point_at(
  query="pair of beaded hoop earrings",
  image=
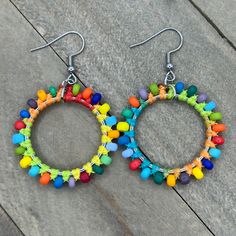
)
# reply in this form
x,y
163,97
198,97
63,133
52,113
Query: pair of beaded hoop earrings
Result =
x,y
118,133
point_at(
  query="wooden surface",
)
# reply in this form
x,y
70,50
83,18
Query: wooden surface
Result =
x,y
117,203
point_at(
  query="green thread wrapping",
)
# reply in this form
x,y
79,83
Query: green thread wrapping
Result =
x,y
54,173
65,175
44,168
36,161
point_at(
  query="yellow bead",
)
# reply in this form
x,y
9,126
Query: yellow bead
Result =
x,y
171,180
122,126
42,95
25,162
103,109
197,172
105,139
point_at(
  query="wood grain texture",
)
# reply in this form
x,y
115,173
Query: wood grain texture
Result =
x,y
221,14
117,203
7,227
169,134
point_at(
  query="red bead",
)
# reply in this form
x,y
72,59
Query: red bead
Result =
x,y
19,124
134,165
218,140
84,177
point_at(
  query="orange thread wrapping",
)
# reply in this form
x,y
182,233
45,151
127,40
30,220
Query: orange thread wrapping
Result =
x,y
205,154
151,98
176,172
188,168
210,133
197,163
209,143
162,92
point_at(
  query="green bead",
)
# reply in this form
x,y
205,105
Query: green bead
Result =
x,y
19,150
158,178
106,160
154,89
98,169
191,91
53,91
127,113
76,89
216,116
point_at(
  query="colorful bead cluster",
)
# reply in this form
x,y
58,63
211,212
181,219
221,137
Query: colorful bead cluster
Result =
x,y
37,167
190,96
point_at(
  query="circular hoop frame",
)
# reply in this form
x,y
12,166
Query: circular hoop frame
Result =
x,y
162,92
30,159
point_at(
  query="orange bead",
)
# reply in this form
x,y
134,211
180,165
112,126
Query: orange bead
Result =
x,y
218,127
45,178
134,102
113,134
87,93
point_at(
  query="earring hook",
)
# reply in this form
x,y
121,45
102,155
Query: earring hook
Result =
x,y
170,76
71,79
71,56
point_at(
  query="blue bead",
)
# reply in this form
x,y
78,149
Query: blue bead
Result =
x,y
123,140
207,164
110,121
33,171
18,138
24,114
111,147
145,173
58,182
96,98
179,87
214,152
210,106
127,153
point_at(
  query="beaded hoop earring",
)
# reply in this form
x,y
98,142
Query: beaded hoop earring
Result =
x,y
169,91
68,91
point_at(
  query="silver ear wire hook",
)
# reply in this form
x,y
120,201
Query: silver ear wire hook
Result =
x,y
71,79
170,75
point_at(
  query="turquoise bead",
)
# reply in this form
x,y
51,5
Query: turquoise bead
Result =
x,y
111,147
215,152
158,178
110,121
179,87
210,106
18,138
34,171
191,91
145,173
127,153
53,91
98,169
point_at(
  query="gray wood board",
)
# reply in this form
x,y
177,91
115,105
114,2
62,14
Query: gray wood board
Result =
x,y
109,28
117,203
221,14
7,227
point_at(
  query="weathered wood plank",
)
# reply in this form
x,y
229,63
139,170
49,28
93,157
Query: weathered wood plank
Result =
x,y
117,203
222,14
7,226
205,60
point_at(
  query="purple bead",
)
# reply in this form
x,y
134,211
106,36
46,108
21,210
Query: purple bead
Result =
x,y
71,182
143,93
201,97
184,178
32,103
